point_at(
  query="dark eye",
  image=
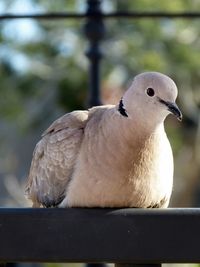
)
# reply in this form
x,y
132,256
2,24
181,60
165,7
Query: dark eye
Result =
x,y
150,92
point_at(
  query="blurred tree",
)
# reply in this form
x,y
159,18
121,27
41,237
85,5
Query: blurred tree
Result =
x,y
43,73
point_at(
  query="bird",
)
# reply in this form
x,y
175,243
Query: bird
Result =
x,y
111,156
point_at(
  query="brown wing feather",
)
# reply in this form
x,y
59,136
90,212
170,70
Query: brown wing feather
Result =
x,y
54,158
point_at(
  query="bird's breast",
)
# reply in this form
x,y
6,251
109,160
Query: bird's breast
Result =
x,y
112,173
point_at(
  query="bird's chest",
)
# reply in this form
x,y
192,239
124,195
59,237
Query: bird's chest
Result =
x,y
121,176
150,178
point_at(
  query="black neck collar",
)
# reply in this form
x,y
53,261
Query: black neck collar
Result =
x,y
121,108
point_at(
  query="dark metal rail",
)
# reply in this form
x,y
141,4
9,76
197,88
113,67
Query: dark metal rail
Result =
x,y
121,14
131,236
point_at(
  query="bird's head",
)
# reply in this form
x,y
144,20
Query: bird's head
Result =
x,y
151,96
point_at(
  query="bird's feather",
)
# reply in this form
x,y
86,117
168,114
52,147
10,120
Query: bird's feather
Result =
x,y
54,158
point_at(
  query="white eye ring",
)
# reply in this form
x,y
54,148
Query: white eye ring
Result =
x,y
150,92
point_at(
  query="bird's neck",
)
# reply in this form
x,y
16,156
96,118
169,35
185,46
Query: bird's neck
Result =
x,y
139,118
127,130
142,129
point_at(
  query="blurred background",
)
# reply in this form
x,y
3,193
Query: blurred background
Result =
x,y
44,73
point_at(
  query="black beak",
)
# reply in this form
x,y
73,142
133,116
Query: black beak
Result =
x,y
173,108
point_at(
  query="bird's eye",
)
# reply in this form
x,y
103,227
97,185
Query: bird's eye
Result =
x,y
150,92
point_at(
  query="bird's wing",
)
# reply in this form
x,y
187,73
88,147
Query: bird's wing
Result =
x,y
54,159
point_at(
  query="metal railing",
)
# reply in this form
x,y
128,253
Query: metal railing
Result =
x,y
122,236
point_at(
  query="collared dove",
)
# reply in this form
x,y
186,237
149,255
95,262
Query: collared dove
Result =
x,y
109,156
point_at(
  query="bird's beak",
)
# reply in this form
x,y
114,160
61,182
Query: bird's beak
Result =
x,y
173,108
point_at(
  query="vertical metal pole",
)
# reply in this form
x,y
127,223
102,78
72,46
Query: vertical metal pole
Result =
x,y
94,30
